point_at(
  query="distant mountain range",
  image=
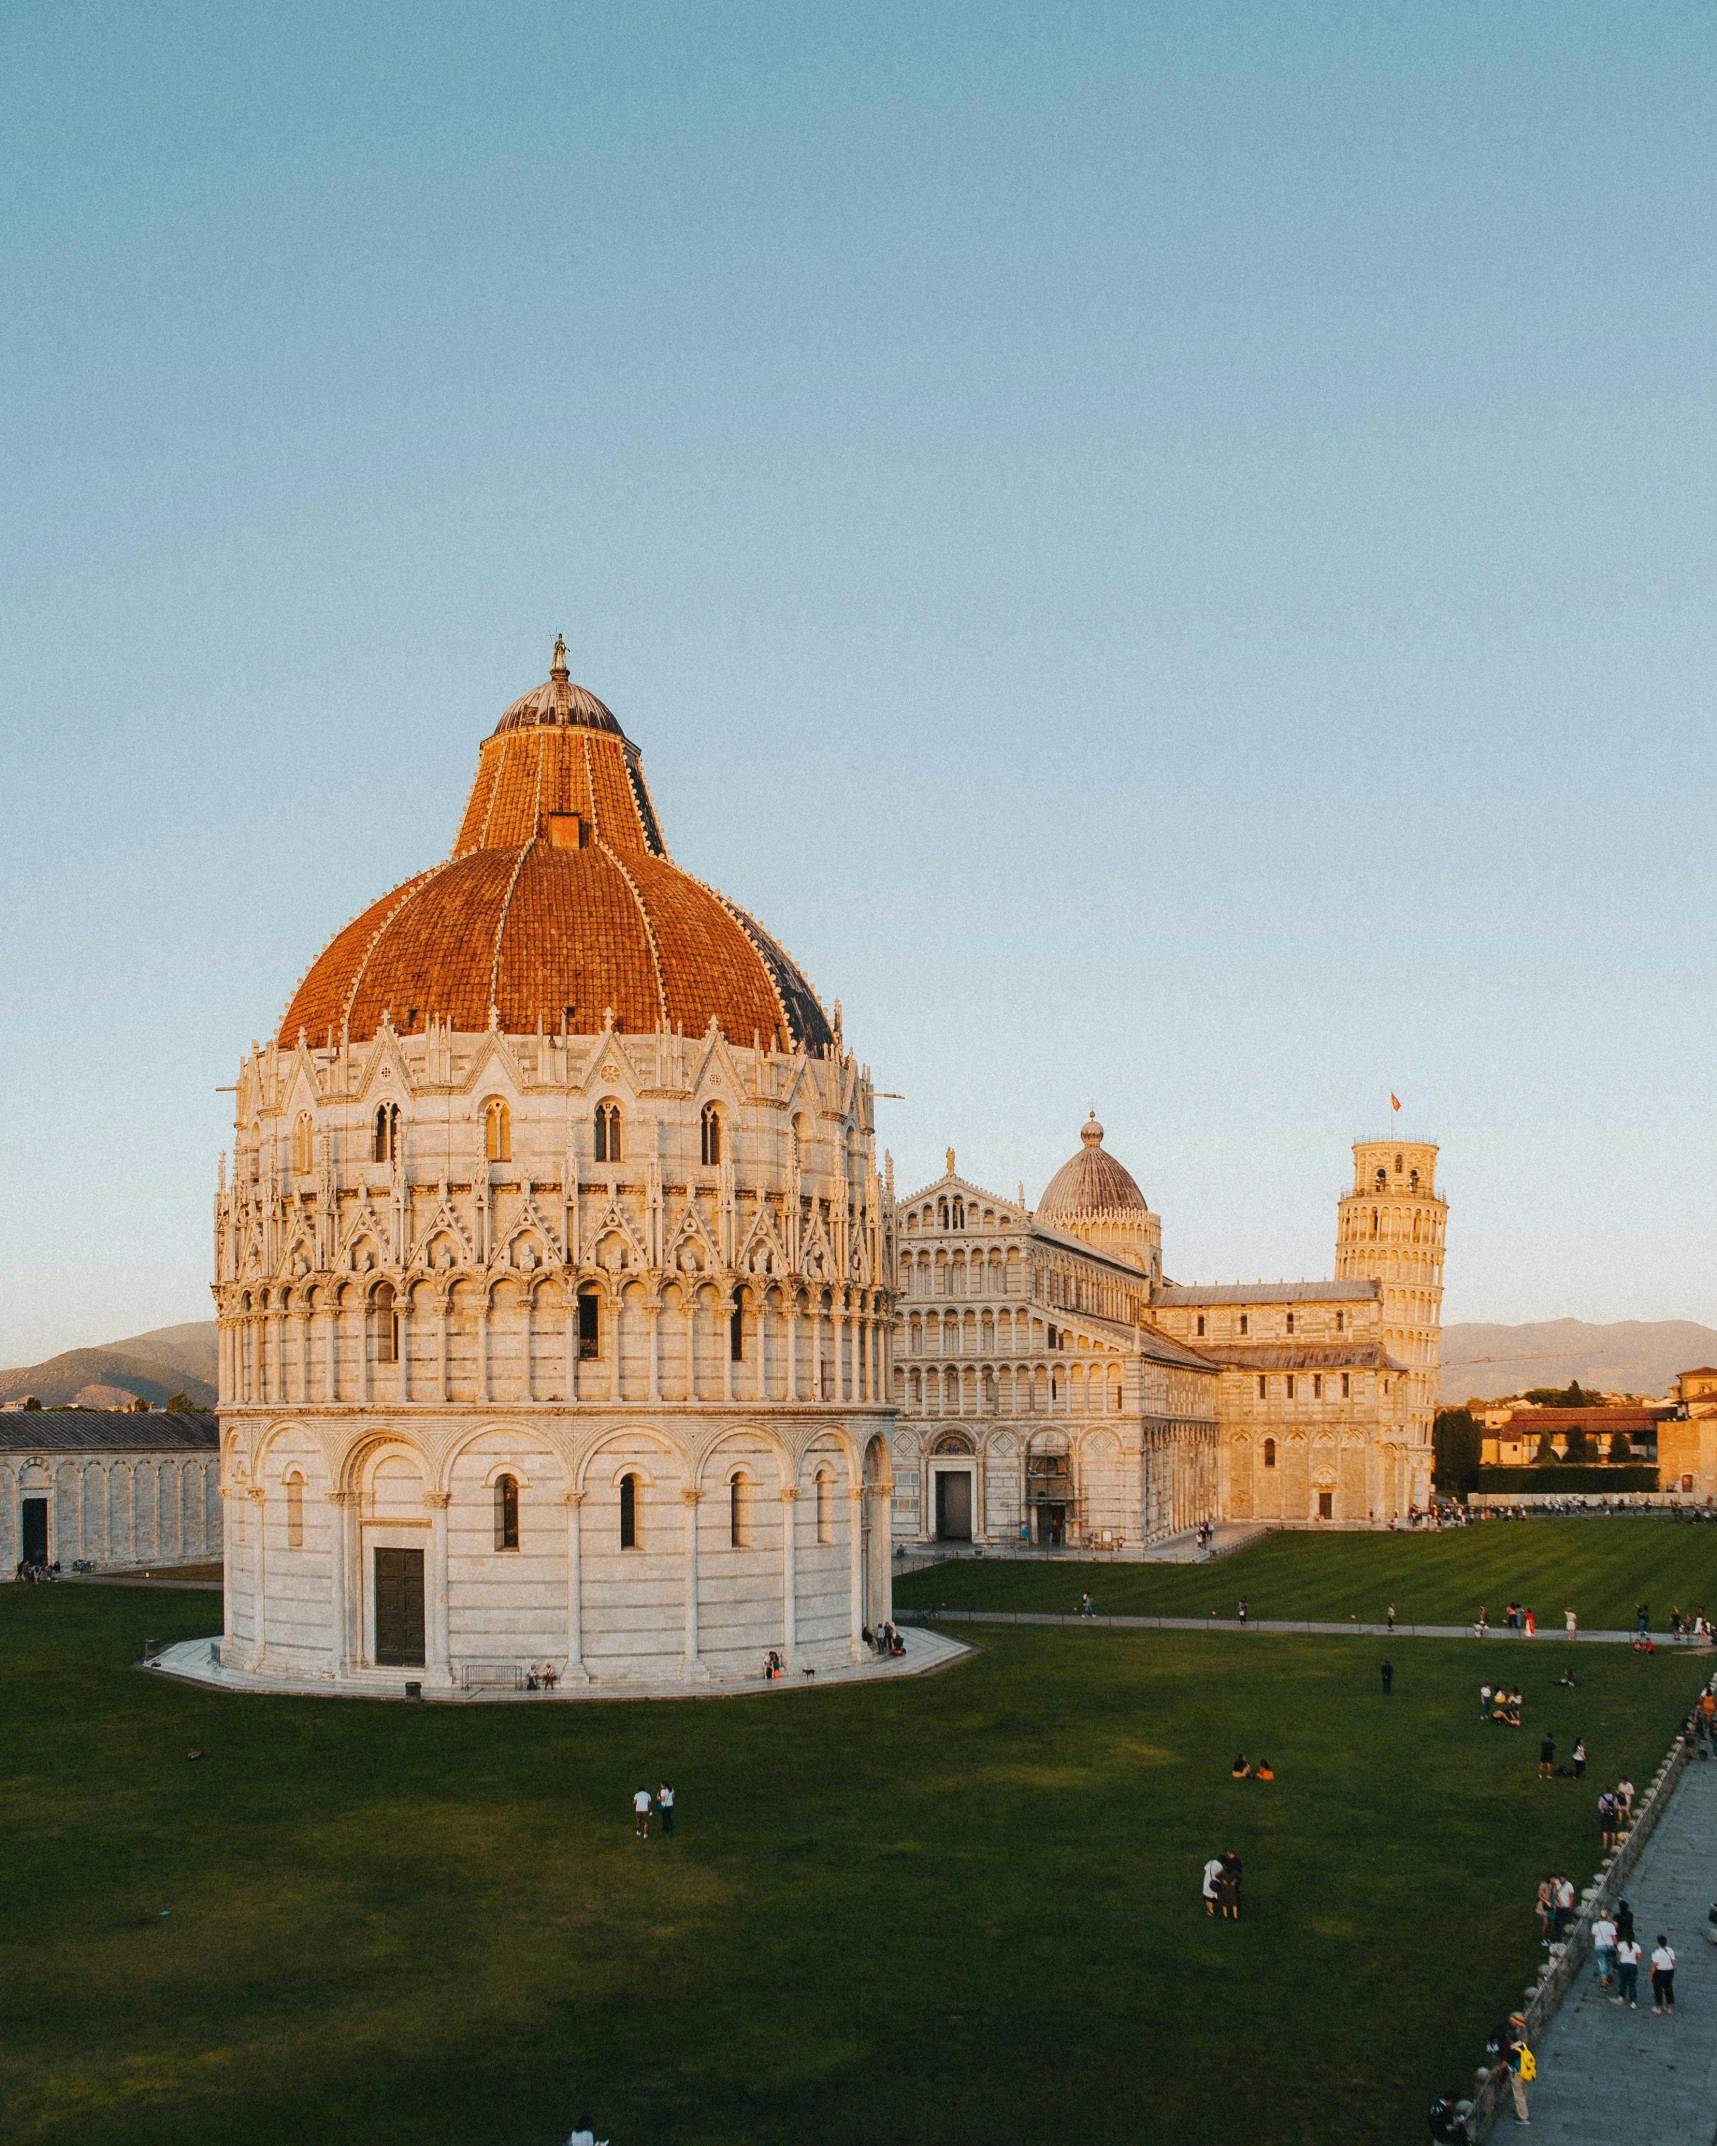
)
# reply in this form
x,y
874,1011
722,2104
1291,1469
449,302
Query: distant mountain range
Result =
x,y
147,1367
1479,1362
1629,1356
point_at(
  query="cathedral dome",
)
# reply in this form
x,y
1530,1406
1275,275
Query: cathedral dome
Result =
x,y
1092,1183
559,903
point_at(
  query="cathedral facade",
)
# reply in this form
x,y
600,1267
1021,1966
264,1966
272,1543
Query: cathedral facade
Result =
x,y
554,1270
1053,1388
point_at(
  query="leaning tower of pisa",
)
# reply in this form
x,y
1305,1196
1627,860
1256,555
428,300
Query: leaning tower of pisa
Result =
x,y
1391,1230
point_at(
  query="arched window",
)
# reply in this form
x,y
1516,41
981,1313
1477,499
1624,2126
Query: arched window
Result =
x,y
1290,1322
1341,1322
1398,1166
1245,1323
628,1512
589,1327
1263,1387
295,1512
1412,1181
386,1324
1269,1452
959,1214
825,1506
1382,1178
711,1135
303,1144
608,1132
736,1330
1374,1221
739,1512
942,1214
387,1132
1201,1326
497,1130
507,1512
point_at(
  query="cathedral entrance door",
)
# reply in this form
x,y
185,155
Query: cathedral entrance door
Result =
x,y
1052,1527
954,1505
399,1609
35,1531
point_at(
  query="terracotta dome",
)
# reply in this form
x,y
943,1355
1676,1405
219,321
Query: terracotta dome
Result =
x,y
559,903
1092,1183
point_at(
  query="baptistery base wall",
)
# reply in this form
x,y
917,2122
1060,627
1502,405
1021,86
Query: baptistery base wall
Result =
x,y
627,1546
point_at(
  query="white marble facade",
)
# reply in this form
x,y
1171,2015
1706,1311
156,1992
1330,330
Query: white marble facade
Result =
x,y
469,1355
110,1486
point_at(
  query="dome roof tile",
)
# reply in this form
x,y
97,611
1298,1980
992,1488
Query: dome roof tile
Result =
x,y
1092,1183
558,904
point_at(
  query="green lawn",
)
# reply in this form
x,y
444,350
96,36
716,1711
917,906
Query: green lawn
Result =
x,y
1598,1568
957,1909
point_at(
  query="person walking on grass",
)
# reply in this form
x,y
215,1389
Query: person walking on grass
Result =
x,y
1663,1977
1627,1971
1579,1758
1228,1888
1242,1609
1212,1871
1547,1757
665,1804
1604,1948
1572,1622
641,1811
1484,1702
1392,1616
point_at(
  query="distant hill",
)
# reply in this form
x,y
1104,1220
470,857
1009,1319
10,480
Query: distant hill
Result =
x,y
146,1367
1629,1356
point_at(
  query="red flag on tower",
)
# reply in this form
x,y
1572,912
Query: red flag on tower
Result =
x,y
1394,1101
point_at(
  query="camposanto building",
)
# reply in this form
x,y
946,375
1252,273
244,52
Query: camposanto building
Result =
x,y
554,1270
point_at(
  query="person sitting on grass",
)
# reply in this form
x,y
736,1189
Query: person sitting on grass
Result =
x,y
1240,1770
1569,1679
1264,1771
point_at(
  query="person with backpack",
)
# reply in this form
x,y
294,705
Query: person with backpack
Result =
x,y
1522,2064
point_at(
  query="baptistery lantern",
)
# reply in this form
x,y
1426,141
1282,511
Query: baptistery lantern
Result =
x,y
554,1270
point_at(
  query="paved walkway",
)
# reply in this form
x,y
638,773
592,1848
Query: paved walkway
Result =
x,y
1352,1629
193,1661
1611,2077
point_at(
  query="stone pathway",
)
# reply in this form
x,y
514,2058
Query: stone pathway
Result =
x,y
192,1661
1611,2077
1332,1630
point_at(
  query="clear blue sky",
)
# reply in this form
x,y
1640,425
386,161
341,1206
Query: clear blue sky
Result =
x,y
1167,552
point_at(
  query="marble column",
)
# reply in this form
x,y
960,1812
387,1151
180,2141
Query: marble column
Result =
x,y
438,1667
258,1569
575,1672
855,1571
789,1571
340,1563
690,1665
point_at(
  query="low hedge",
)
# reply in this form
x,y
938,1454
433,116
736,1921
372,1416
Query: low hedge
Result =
x,y
1568,1479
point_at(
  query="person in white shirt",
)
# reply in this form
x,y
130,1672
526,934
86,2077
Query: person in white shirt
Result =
x,y
665,1804
1663,1976
1604,1947
1212,1871
1627,1972
641,1807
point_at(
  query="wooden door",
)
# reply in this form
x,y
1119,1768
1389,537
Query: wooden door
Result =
x,y
954,1506
399,1609
35,1531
